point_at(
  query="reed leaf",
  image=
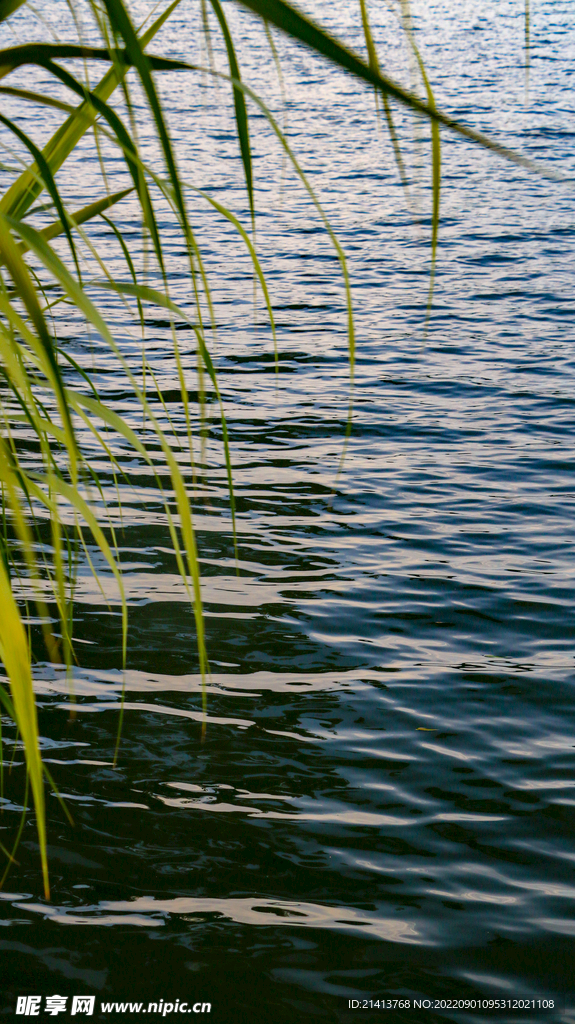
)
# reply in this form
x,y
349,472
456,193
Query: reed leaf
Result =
x,y
7,7
239,104
435,152
296,25
15,657
26,189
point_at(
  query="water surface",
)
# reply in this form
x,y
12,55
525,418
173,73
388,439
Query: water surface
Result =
x,y
383,804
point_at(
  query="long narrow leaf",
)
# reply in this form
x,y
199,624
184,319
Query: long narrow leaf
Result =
x,y
16,659
12,258
239,104
23,192
86,213
296,25
7,7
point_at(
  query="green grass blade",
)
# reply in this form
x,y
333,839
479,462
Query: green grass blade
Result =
x,y
374,65
239,104
36,97
256,263
11,859
435,155
7,7
207,34
49,183
324,44
20,275
11,477
129,150
122,25
72,495
15,656
145,294
52,262
369,43
294,24
23,192
124,30
86,213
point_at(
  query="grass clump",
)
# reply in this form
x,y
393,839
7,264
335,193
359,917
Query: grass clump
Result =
x,y
53,504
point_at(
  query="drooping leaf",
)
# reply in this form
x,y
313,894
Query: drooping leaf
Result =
x,y
296,25
23,192
7,7
239,104
15,657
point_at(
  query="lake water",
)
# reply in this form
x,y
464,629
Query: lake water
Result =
x,y
384,804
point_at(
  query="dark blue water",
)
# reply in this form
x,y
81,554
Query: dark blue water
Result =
x,y
383,807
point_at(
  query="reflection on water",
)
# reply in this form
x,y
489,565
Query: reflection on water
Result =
x,y
383,804
151,913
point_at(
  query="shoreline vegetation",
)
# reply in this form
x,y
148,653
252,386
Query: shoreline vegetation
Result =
x,y
53,508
